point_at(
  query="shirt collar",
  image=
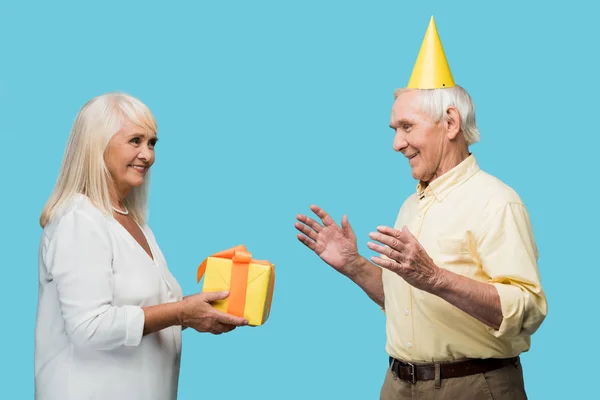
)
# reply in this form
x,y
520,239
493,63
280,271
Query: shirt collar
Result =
x,y
444,184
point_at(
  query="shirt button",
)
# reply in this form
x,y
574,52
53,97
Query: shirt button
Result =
x,y
406,312
409,345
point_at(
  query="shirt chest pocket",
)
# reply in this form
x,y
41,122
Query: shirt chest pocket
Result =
x,y
453,251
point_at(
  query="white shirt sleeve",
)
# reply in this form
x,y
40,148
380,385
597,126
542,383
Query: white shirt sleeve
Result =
x,y
78,259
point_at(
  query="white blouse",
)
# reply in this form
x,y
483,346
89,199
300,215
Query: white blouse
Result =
x,y
94,278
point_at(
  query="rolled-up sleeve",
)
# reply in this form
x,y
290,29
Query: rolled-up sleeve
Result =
x,y
508,255
79,260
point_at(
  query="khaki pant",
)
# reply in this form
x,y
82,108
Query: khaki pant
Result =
x,y
500,384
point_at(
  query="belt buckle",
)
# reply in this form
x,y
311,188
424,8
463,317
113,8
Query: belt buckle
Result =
x,y
413,373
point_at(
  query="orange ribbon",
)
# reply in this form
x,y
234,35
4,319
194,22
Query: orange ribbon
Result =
x,y
239,277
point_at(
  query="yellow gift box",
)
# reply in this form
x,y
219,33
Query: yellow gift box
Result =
x,y
250,283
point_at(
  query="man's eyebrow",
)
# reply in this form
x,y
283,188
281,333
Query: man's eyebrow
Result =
x,y
400,122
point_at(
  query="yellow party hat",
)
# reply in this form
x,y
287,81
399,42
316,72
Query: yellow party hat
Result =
x,y
431,70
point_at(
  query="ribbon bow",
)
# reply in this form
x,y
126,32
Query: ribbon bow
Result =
x,y
241,259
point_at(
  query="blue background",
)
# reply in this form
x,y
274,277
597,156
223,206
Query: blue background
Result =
x,y
265,107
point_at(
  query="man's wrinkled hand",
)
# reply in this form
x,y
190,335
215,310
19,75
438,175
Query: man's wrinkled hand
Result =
x,y
404,256
336,245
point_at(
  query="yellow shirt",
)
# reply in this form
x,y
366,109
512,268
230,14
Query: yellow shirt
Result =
x,y
471,223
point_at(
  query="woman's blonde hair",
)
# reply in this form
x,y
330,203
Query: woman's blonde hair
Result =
x,y
83,169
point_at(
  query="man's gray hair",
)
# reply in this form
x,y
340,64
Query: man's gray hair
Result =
x,y
435,102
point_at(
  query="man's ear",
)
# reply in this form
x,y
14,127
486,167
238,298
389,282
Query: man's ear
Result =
x,y
452,122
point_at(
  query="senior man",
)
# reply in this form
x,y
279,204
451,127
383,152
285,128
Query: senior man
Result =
x,y
457,276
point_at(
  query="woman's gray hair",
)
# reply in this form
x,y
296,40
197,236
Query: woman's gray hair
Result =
x,y
435,102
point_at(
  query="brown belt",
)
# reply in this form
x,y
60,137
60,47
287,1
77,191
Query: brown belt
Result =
x,y
424,372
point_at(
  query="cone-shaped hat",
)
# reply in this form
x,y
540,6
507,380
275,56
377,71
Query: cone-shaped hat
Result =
x,y
431,70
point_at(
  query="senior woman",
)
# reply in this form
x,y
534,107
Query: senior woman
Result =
x,y
110,313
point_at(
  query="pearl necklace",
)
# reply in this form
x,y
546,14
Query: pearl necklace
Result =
x,y
126,212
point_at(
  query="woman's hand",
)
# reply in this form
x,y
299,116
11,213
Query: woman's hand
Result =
x,y
196,312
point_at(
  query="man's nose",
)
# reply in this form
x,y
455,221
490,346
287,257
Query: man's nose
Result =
x,y
400,142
